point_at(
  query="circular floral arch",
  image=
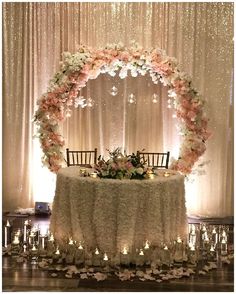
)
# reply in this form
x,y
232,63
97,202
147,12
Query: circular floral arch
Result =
x,y
86,63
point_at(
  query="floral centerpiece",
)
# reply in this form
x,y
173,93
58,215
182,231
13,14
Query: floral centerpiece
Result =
x,y
122,166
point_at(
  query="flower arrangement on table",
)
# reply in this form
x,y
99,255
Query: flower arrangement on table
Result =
x,y
122,166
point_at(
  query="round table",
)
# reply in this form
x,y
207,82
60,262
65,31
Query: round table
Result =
x,y
111,214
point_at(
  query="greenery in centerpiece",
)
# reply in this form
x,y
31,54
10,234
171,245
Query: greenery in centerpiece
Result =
x,y
122,166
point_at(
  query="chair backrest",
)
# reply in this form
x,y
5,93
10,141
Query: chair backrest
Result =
x,y
81,158
155,159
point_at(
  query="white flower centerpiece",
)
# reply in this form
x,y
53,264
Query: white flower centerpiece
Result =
x,y
122,166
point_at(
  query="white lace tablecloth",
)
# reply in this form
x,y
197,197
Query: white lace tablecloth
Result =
x,y
110,214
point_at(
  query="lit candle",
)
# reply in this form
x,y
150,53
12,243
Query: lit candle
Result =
x,y
212,248
165,248
57,251
141,252
5,236
223,246
80,246
151,176
125,251
24,248
96,251
25,230
206,238
31,237
34,248
16,240
51,238
71,241
105,257
192,248
43,245
179,240
93,175
146,245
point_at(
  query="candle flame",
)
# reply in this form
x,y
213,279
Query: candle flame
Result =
x,y
105,257
80,246
26,222
71,241
16,240
57,251
165,248
146,245
141,252
192,248
223,233
214,231
179,240
34,248
96,251
223,241
125,251
8,224
51,238
212,248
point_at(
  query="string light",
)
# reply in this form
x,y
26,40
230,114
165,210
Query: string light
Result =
x,y
114,91
131,98
155,98
90,102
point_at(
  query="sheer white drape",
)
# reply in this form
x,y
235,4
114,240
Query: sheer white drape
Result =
x,y
199,35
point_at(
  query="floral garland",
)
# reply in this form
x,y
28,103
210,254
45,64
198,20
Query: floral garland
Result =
x,y
78,68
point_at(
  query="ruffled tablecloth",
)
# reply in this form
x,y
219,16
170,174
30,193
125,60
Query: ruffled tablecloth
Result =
x,y
113,214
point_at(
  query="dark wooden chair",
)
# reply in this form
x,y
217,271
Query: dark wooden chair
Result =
x,y
155,159
81,158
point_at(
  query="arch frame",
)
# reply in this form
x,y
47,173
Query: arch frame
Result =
x,y
87,63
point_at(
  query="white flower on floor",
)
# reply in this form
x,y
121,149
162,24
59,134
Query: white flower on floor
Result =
x,y
189,270
156,272
139,273
69,276
149,271
212,264
100,276
72,269
125,275
83,276
206,268
148,277
43,264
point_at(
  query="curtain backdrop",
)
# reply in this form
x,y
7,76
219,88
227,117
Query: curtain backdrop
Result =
x,y
199,35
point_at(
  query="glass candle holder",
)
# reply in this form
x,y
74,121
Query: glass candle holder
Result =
x,y
97,257
125,256
93,175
